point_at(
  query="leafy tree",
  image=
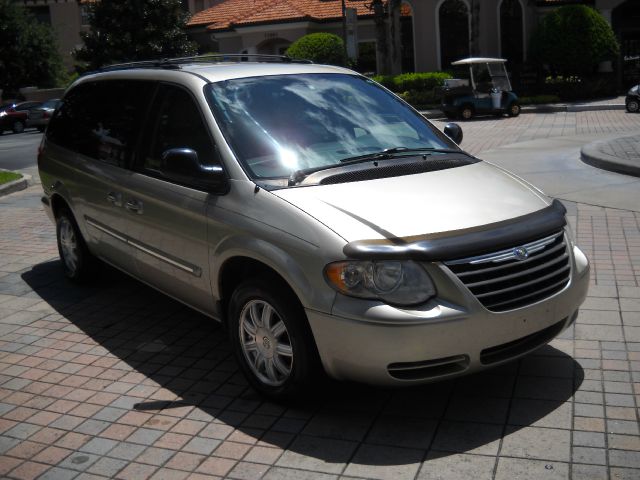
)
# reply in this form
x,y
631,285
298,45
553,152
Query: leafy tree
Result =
x,y
319,48
28,50
131,30
573,40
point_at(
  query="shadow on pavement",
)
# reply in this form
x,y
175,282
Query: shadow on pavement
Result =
x,y
187,354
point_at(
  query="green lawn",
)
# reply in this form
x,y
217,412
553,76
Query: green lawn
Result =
x,y
6,177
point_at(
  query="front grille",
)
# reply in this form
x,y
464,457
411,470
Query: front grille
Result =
x,y
500,281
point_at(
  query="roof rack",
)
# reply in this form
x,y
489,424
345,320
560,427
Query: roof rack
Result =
x,y
174,63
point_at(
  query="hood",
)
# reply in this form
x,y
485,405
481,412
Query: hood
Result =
x,y
426,203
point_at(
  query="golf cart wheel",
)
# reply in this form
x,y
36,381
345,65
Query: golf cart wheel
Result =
x,y
633,106
514,110
18,126
466,112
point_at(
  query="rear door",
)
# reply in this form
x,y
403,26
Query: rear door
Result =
x,y
102,122
167,221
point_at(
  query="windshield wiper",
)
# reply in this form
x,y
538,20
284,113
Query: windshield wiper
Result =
x,y
298,176
391,152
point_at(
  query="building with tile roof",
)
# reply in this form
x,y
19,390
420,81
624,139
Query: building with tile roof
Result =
x,y
434,32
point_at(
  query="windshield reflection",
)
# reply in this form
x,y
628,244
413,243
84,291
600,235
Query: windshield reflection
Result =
x,y
283,123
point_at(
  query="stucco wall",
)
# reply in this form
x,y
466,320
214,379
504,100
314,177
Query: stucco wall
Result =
x,y
65,20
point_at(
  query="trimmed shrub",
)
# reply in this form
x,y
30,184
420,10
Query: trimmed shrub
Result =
x,y
573,40
412,81
418,89
319,48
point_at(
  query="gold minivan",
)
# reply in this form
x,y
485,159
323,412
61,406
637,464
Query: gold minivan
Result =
x,y
321,218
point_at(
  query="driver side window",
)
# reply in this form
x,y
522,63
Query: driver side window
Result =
x,y
178,124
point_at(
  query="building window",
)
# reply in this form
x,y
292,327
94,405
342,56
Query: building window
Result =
x,y
406,37
454,31
84,15
367,61
511,39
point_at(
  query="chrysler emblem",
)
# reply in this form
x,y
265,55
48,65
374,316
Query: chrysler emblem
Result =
x,y
520,253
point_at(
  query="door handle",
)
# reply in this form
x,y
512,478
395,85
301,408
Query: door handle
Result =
x,y
114,198
134,206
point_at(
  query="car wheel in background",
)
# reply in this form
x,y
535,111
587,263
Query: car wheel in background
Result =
x,y
18,126
514,110
633,106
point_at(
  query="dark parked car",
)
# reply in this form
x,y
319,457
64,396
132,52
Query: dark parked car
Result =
x,y
633,99
14,116
39,117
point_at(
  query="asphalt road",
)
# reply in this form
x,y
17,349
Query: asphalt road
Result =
x,y
19,151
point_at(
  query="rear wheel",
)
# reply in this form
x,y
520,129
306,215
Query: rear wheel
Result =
x,y
78,263
633,106
18,126
514,110
271,339
466,112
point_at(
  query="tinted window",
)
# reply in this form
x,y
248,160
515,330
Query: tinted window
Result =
x,y
179,125
102,120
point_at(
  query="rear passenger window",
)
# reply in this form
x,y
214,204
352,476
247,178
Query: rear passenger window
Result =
x,y
179,125
102,120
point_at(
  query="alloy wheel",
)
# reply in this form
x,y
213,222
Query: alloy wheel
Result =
x,y
68,245
265,343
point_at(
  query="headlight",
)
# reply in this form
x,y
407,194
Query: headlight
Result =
x,y
394,282
634,91
3,113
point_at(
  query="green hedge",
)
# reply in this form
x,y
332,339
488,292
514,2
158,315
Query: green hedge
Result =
x,y
419,89
412,81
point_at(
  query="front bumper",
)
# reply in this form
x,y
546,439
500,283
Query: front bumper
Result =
x,y
384,345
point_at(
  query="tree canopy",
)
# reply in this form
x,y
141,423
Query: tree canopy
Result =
x,y
132,30
573,40
28,50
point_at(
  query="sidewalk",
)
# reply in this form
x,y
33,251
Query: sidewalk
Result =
x,y
620,155
616,103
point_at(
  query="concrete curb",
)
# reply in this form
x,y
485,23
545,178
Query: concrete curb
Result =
x,y
591,155
546,108
15,185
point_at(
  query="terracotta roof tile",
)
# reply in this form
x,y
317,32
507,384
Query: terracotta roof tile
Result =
x,y
225,14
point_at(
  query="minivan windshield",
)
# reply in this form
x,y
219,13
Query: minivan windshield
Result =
x,y
280,124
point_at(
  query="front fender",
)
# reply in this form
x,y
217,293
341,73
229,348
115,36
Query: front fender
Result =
x,y
299,267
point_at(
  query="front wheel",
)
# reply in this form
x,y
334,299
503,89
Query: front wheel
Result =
x,y
633,106
514,110
271,339
77,261
18,126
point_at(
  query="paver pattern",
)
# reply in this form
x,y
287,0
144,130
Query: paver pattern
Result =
x,y
627,148
114,380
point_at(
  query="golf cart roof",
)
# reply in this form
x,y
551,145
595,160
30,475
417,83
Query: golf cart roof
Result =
x,y
469,61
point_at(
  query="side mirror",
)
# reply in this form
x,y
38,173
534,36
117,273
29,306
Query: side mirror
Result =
x,y
454,132
183,166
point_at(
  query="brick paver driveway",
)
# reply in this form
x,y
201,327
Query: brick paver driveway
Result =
x,y
115,380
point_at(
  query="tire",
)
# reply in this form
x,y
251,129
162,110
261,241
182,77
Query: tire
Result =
x,y
41,128
78,263
633,106
272,340
514,110
467,112
18,126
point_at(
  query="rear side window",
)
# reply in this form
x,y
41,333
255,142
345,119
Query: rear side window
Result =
x,y
102,120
